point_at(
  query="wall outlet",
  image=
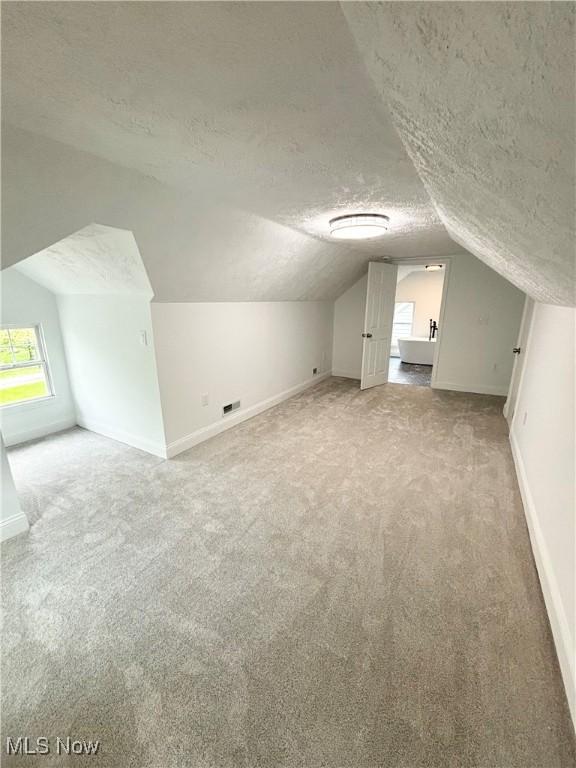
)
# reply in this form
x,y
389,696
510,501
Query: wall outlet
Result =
x,y
314,371
204,399
144,338
524,418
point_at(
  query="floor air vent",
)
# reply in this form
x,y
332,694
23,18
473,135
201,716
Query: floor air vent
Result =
x,y
230,407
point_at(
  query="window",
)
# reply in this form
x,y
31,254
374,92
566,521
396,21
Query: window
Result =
x,y
402,325
24,372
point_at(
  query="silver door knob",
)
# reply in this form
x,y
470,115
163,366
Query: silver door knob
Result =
x,y
517,350
366,335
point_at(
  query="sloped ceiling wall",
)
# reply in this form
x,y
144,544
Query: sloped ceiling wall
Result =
x,y
193,247
94,260
482,95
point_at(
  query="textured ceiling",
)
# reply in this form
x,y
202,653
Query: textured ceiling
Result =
x,y
264,107
193,248
94,260
483,96
273,117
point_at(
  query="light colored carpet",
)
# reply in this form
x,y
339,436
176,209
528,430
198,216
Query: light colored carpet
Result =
x,y
345,580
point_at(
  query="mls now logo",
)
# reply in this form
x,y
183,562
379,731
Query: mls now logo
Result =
x,y
24,745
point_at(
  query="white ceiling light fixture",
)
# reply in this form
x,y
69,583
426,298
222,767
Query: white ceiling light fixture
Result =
x,y
359,226
433,267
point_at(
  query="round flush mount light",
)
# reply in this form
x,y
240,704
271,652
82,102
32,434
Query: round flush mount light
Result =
x,y
433,267
359,226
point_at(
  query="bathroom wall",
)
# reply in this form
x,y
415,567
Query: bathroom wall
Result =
x,y
425,290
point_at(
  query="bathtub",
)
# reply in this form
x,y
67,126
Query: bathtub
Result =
x,y
416,349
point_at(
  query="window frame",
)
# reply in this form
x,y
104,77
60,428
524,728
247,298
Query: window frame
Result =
x,y
413,303
42,361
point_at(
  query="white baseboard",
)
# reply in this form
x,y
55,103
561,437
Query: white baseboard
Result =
x,y
123,437
205,433
13,526
346,374
550,590
41,431
475,389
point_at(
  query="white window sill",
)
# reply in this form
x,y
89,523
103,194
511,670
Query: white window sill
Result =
x,y
37,402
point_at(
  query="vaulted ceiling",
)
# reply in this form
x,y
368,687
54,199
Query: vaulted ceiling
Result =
x,y
279,113
483,96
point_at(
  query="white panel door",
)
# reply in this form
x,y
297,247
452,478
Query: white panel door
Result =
x,y
378,319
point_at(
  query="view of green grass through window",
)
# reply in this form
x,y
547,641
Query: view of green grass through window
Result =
x,y
23,374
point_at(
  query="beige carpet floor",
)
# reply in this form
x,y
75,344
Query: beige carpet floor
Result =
x,y
343,581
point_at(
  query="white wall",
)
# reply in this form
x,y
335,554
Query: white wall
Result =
x,y
425,290
256,352
478,329
543,442
113,376
26,303
348,326
12,519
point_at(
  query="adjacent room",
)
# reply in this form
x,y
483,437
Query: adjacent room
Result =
x,y
417,308
287,385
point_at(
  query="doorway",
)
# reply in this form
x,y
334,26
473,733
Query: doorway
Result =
x,y
402,320
416,323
